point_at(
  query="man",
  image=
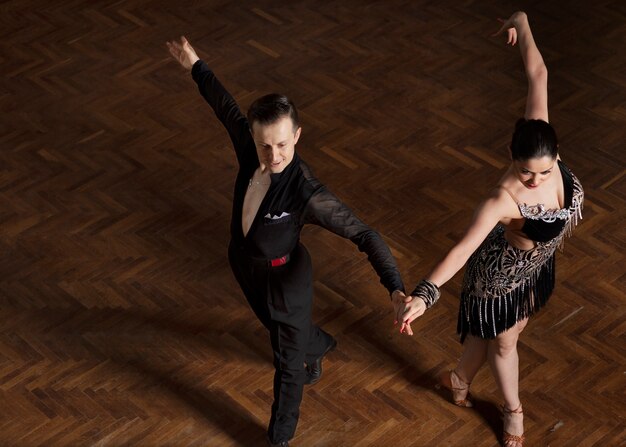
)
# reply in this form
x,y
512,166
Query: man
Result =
x,y
275,195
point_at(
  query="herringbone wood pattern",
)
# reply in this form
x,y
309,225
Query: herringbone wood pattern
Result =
x,y
121,324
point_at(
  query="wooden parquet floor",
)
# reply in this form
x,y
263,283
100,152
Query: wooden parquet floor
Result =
x,y
120,322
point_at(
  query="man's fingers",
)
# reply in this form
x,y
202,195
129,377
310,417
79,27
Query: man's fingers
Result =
x,y
406,326
173,51
399,316
174,48
406,329
185,43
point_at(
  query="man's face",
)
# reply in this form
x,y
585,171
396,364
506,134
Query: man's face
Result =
x,y
275,143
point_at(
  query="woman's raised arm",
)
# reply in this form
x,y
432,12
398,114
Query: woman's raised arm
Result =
x,y
518,31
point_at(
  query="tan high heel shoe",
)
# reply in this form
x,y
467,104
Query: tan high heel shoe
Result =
x,y
508,437
445,379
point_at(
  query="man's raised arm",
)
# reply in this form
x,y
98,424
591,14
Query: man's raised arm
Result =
x,y
223,104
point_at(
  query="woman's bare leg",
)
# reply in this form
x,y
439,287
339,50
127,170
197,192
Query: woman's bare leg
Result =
x,y
504,362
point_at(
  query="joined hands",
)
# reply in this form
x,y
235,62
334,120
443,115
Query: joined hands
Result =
x,y
406,309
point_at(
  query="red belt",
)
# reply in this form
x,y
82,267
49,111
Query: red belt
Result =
x,y
278,261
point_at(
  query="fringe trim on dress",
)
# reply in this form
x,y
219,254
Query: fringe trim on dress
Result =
x,y
487,317
504,285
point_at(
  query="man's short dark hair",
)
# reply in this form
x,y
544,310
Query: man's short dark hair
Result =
x,y
270,108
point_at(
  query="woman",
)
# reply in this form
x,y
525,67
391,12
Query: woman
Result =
x,y
509,248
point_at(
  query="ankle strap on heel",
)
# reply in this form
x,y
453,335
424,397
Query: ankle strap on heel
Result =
x,y
518,410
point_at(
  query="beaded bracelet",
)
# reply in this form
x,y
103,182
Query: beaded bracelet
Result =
x,y
428,291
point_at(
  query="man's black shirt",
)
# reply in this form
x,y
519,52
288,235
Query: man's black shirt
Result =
x,y
294,198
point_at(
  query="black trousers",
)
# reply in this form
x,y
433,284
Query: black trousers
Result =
x,y
281,297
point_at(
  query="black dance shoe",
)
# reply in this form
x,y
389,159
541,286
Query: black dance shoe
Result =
x,y
278,444
314,370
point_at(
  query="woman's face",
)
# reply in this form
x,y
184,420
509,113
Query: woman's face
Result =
x,y
533,172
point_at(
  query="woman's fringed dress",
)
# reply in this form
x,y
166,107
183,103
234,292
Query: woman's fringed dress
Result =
x,y
503,284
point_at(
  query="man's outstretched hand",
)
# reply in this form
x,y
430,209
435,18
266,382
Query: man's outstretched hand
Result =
x,y
183,52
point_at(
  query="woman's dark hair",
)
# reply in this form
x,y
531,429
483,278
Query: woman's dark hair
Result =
x,y
270,108
533,139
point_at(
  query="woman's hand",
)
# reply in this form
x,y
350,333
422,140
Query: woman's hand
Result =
x,y
183,52
412,310
511,26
